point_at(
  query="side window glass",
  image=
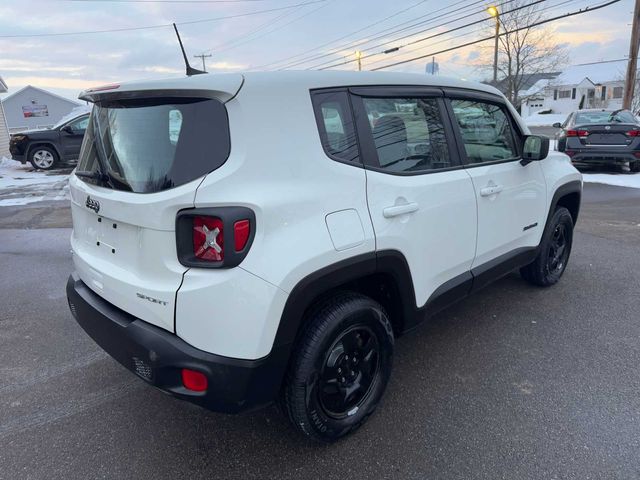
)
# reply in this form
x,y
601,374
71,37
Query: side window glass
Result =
x,y
80,125
486,131
408,134
335,125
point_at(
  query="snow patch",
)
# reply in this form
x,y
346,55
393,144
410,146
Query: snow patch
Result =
x,y
620,180
544,120
22,184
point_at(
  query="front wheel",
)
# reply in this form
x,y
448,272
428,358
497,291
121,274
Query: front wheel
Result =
x,y
554,251
340,367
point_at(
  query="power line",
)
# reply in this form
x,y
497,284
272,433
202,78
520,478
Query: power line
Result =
x,y
385,33
234,43
344,36
381,33
465,34
439,34
163,1
536,24
148,27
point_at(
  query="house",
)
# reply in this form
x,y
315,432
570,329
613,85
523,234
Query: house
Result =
x,y
588,85
32,107
4,130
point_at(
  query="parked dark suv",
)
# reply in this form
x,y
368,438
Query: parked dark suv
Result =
x,y
49,147
601,138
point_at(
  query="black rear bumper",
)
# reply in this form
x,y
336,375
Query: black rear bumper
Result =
x,y
157,356
603,157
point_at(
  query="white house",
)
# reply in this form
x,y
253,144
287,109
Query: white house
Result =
x,y
594,85
4,130
32,107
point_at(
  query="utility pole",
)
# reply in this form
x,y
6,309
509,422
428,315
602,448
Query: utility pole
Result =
x,y
493,11
359,57
203,56
630,79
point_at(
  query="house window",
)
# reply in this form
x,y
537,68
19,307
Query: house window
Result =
x,y
617,92
555,94
603,93
573,94
591,93
565,93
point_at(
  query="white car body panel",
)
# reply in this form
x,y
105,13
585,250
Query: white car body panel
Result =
x,y
513,217
311,212
439,238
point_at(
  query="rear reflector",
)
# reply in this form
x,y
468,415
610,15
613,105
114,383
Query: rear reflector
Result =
x,y
577,133
571,153
194,380
241,230
635,154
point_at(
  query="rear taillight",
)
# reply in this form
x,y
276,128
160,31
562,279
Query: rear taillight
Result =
x,y
208,238
633,133
214,237
577,133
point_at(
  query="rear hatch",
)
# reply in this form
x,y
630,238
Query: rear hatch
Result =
x,y
145,152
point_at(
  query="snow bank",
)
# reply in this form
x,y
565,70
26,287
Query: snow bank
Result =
x,y
21,184
618,180
545,120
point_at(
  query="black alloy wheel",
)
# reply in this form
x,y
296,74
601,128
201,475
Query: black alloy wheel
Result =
x,y
349,371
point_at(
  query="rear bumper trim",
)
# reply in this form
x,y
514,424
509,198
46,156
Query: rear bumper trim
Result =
x,y
157,356
602,157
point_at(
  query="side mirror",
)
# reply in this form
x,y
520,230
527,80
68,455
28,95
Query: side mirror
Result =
x,y
67,129
557,125
536,147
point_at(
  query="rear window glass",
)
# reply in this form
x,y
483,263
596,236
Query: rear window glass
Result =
x,y
150,145
335,123
585,118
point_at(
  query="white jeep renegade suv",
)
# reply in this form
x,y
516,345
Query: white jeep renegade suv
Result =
x,y
240,239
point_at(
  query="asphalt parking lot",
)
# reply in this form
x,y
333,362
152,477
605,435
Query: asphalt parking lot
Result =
x,y
515,382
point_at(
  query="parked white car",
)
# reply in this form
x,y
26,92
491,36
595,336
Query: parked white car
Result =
x,y
240,239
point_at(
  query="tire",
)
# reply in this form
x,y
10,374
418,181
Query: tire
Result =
x,y
43,158
554,251
340,367
635,167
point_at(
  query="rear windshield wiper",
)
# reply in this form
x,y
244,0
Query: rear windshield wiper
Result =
x,y
99,176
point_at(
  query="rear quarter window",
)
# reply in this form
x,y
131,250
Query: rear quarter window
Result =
x,y
335,125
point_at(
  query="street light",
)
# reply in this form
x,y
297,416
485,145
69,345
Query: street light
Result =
x,y
493,11
358,57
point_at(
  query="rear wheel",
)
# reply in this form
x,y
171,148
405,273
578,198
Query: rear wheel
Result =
x,y
340,368
43,158
554,252
635,166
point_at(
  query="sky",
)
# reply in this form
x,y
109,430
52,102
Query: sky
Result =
x,y
268,35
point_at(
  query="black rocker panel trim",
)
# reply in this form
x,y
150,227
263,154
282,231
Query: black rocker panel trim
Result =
x,y
497,268
393,263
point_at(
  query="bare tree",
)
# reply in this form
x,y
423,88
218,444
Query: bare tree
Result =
x,y
527,51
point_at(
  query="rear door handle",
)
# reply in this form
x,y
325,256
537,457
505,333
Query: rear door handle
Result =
x,y
490,190
400,210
